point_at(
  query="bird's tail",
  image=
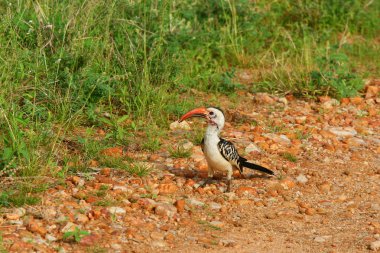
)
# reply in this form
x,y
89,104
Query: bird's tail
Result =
x,y
257,167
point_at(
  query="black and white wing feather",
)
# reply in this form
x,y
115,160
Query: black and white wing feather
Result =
x,y
230,153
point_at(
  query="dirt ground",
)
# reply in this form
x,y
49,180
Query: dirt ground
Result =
x,y
324,198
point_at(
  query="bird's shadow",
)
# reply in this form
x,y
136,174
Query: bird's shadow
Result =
x,y
196,174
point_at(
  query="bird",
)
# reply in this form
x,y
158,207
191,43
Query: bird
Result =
x,y
220,154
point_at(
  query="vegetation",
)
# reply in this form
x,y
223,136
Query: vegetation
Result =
x,y
125,66
290,157
76,234
179,152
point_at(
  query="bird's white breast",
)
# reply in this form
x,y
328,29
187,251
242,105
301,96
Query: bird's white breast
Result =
x,y
214,158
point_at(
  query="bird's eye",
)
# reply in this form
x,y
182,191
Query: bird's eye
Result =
x,y
211,113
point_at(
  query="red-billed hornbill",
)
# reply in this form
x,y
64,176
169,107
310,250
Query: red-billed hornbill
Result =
x,y
221,155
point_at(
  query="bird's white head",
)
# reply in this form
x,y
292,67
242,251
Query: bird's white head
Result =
x,y
213,115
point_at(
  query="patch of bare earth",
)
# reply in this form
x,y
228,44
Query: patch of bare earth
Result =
x,y
324,198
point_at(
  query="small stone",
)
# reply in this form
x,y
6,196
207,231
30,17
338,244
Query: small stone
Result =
x,y
244,190
372,112
343,132
49,213
302,179
271,215
202,165
186,145
12,216
81,218
243,202
324,187
169,188
159,244
287,183
170,237
50,238
116,210
154,157
180,205
218,224
113,152
372,91
215,206
303,205
252,148
80,195
236,134
375,245
375,206
300,120
106,172
342,198
324,99
165,209
320,239
230,195
20,211
75,180
16,222
69,227
289,97
156,236
356,100
36,228
345,101
197,154
116,246
280,139
310,211
179,126
194,202
330,104
89,240
355,142
227,243
20,246
104,180
147,204
120,188
93,164
92,199
101,132
283,100
263,98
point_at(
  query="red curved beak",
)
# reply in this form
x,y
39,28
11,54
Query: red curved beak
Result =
x,y
198,112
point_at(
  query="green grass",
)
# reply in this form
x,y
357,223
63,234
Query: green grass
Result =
x,y
77,234
132,168
2,246
96,249
19,198
290,157
301,135
179,152
209,225
105,202
130,66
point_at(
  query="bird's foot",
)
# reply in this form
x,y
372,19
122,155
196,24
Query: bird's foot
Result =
x,y
207,181
228,185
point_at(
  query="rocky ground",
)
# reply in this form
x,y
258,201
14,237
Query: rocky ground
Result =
x,y
324,198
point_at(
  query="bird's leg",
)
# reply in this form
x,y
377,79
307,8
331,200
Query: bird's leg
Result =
x,y
229,179
228,185
210,173
210,177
